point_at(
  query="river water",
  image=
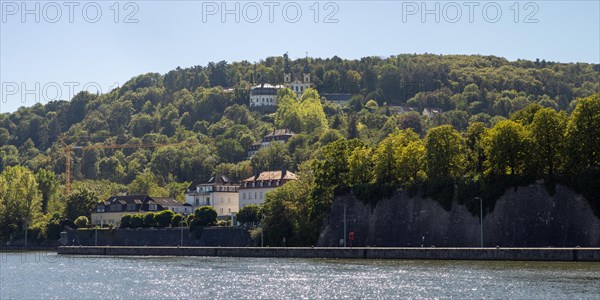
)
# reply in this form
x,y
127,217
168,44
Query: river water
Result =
x,y
37,275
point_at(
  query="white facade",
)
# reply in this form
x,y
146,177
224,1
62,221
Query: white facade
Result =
x,y
254,196
264,95
298,86
181,209
254,189
223,197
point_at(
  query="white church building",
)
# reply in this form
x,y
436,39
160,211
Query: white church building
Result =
x,y
266,94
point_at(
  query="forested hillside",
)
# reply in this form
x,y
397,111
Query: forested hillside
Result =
x,y
532,119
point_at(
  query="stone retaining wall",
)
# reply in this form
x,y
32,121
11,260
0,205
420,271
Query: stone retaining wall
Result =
x,y
515,254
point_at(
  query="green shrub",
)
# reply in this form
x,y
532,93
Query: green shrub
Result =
x,y
126,221
163,218
137,221
205,215
176,219
81,221
149,220
249,214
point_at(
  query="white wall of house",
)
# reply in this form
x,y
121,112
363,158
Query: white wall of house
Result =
x,y
224,203
253,195
184,210
112,218
262,100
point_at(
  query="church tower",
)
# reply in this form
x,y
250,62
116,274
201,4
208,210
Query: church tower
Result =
x,y
306,75
287,72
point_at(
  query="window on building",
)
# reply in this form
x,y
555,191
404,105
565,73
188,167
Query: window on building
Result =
x,y
131,207
100,208
250,195
243,196
221,211
229,210
152,207
261,195
116,207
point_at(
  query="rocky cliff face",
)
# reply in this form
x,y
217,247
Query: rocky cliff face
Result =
x,y
522,217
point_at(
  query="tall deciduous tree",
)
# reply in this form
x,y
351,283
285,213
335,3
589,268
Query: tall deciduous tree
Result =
x,y
583,134
474,139
385,167
81,203
410,160
21,200
548,132
360,166
48,186
506,148
445,152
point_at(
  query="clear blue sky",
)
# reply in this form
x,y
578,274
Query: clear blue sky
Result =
x,y
170,34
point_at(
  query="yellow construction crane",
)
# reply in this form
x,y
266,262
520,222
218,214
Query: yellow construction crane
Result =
x,y
69,148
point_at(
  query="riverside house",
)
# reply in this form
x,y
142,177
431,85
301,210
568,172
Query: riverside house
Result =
x,y
254,189
218,191
110,211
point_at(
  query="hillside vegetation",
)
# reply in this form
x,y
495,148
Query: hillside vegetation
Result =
x,y
502,123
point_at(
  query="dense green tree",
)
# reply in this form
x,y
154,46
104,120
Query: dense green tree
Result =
x,y
80,203
445,153
249,214
331,168
474,141
48,187
205,216
360,166
163,218
506,148
385,167
583,134
274,157
20,200
411,162
548,133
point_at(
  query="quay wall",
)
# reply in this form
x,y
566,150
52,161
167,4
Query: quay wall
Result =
x,y
508,254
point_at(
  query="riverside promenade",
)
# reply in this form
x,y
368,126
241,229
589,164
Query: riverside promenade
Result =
x,y
508,254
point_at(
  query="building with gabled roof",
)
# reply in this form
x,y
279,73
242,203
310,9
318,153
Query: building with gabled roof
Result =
x,y
111,210
253,189
278,135
218,191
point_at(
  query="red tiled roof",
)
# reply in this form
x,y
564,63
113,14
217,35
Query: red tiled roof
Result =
x,y
272,175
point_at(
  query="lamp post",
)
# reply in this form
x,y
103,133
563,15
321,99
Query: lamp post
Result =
x,y
181,227
480,219
344,225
